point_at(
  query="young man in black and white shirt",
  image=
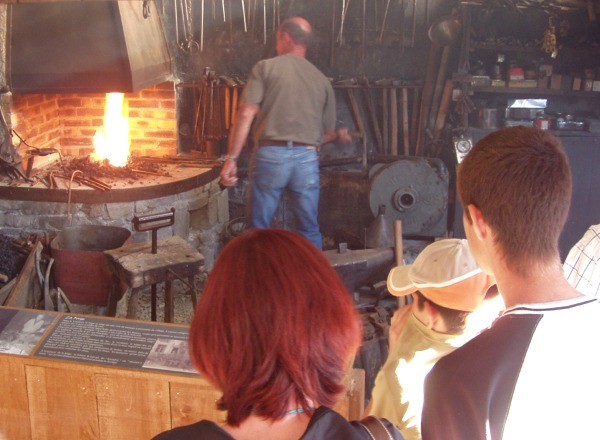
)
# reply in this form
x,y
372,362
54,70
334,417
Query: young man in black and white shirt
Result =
x,y
534,373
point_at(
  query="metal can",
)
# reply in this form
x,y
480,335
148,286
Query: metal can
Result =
x,y
542,123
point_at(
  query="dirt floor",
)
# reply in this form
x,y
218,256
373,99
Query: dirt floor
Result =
x,y
184,310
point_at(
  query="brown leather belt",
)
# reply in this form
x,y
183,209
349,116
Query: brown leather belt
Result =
x,y
274,143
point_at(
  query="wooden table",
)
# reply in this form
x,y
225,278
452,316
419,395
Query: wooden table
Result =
x,y
137,266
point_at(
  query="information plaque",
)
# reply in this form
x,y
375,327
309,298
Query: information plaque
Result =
x,y
118,343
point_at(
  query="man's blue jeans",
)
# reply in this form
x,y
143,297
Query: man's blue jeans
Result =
x,y
295,169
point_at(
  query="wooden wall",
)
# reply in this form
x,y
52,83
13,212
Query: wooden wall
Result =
x,y
53,399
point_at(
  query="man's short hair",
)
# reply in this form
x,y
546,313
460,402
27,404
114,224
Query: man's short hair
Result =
x,y
455,320
520,179
296,32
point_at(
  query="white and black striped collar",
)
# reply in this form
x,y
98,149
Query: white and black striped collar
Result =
x,y
550,306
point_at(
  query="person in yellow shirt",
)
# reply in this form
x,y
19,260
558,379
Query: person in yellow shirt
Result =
x,y
451,303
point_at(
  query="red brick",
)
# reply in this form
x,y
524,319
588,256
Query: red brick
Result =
x,y
69,102
155,114
34,100
142,142
167,105
90,132
160,133
170,145
66,112
141,123
75,141
143,103
88,111
71,122
46,126
133,135
159,95
167,85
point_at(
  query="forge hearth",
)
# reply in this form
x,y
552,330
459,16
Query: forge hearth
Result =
x,y
69,123
201,206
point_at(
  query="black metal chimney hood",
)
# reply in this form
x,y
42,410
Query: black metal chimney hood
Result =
x,y
86,47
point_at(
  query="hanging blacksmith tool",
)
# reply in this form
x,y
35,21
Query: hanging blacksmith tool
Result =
x,y
212,79
345,4
264,22
385,16
414,24
426,15
401,27
202,26
393,121
363,38
332,37
405,129
373,118
244,15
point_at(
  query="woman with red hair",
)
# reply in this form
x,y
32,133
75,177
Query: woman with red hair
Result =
x,y
275,331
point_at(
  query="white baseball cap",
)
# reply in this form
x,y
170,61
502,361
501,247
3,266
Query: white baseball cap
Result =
x,y
446,273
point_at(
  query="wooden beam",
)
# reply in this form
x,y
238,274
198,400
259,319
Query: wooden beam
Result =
x,y
405,129
394,121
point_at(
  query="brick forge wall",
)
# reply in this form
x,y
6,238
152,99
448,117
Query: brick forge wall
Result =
x,y
69,121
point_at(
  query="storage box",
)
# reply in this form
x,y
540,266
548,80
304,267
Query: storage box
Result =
x,y
480,81
523,83
593,125
555,81
566,82
545,70
516,74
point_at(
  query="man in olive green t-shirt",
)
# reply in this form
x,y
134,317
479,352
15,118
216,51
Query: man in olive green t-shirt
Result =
x,y
294,107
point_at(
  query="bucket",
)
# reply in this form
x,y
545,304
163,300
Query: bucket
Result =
x,y
80,267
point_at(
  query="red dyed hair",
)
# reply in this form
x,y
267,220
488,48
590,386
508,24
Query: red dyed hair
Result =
x,y
274,325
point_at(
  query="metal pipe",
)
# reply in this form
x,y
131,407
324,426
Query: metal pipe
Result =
x,y
265,22
202,27
385,16
244,15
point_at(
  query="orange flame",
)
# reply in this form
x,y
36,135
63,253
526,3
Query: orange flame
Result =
x,y
111,141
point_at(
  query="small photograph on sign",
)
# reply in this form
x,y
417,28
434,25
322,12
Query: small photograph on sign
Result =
x,y
21,330
171,355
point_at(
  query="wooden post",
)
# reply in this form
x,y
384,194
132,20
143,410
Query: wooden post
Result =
x,y
358,122
374,121
399,255
385,121
394,121
444,107
398,249
405,130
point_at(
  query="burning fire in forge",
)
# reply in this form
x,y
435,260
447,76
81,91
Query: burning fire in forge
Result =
x,y
111,141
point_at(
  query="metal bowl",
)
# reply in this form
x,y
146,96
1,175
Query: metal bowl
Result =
x,y
445,30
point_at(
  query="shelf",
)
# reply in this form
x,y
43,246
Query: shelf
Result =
x,y
536,50
480,132
504,48
535,91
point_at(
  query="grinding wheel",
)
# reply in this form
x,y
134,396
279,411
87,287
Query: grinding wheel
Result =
x,y
415,191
